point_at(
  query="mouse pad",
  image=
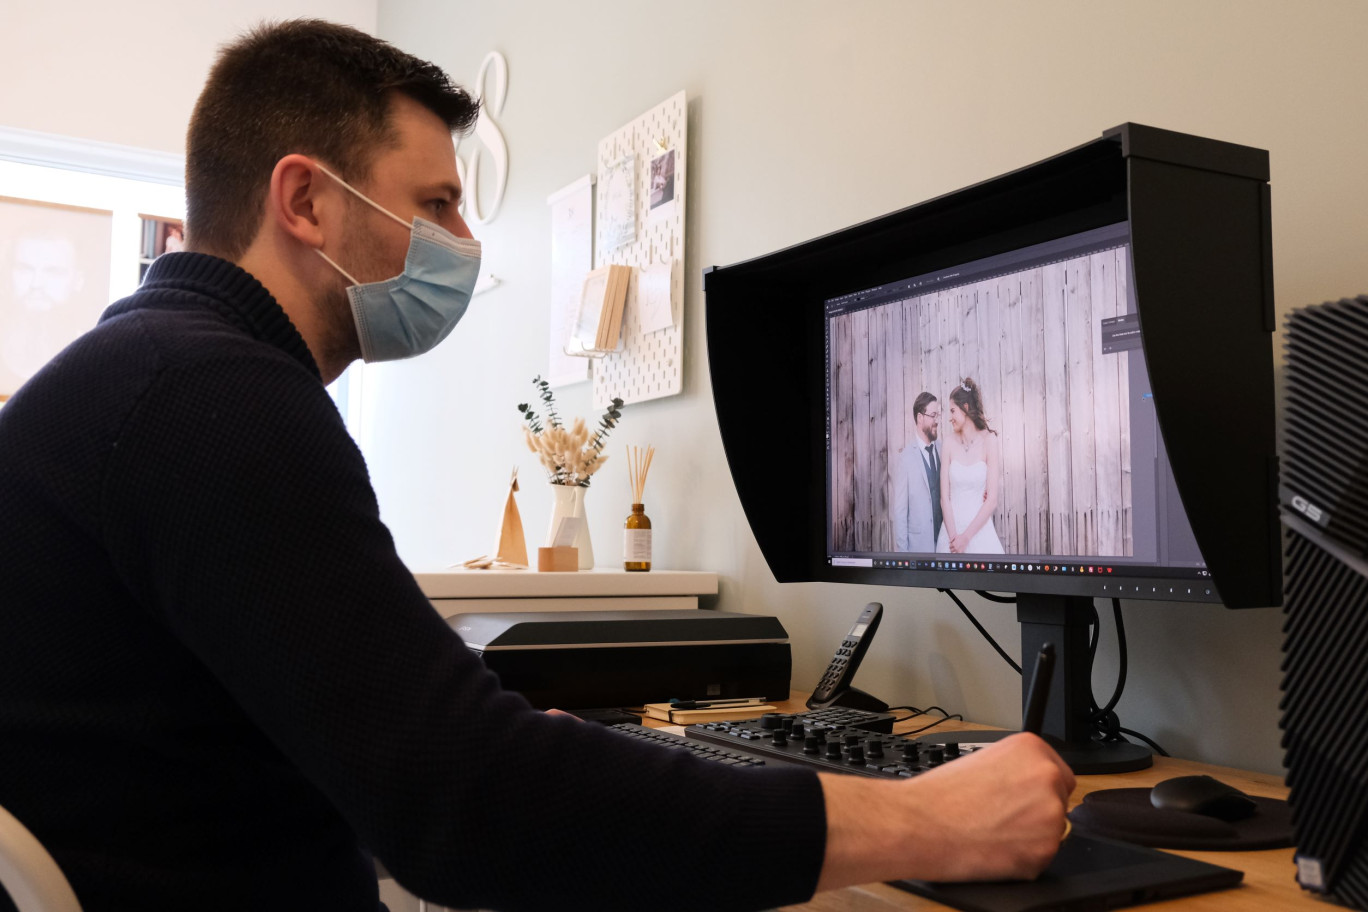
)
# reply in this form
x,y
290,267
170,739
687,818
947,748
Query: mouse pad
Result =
x,y
1128,815
1088,874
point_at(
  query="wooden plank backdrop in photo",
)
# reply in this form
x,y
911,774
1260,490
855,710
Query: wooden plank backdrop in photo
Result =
x,y
1032,342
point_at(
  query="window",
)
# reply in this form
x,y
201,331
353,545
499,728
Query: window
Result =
x,y
90,217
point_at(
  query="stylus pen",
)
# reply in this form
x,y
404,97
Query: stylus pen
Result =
x,y
715,704
1039,691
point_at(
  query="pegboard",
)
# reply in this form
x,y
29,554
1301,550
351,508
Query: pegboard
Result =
x,y
649,366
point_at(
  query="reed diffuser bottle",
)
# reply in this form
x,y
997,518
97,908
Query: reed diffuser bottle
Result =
x,y
636,541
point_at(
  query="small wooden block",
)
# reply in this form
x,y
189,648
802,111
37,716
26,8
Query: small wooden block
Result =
x,y
557,560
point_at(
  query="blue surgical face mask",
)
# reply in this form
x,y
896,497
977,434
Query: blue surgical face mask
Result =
x,y
414,311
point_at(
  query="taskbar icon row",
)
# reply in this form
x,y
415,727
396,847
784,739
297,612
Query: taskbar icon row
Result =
x,y
992,566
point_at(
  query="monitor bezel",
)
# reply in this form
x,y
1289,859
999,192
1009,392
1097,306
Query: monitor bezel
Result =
x,y
1199,217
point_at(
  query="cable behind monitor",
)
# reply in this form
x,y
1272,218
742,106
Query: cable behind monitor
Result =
x,y
1087,736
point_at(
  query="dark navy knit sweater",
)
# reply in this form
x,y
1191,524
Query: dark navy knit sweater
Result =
x,y
220,689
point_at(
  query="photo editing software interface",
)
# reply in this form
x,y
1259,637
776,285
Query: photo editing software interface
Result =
x,y
1006,399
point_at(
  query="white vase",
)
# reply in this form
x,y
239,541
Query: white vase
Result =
x,y
568,500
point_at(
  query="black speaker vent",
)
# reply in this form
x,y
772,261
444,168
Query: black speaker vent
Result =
x,y
1324,705
1325,439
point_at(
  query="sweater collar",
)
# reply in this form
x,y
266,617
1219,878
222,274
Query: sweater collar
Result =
x,y
238,294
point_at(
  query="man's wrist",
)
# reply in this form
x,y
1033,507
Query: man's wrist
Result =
x,y
869,823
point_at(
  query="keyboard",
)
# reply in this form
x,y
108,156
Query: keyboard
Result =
x,y
606,716
676,742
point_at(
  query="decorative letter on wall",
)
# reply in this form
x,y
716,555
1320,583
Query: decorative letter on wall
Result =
x,y
491,137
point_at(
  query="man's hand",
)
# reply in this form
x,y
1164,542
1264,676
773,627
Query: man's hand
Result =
x,y
995,814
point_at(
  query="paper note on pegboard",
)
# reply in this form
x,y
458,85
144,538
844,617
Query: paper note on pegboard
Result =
x,y
650,365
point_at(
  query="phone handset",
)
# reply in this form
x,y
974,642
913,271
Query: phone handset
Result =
x,y
834,687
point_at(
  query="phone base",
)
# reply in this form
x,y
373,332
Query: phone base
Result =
x,y
852,698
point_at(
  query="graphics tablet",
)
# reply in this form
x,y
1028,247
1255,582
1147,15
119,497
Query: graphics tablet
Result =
x,y
1088,874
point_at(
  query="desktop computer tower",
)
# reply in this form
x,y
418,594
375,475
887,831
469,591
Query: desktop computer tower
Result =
x,y
1324,494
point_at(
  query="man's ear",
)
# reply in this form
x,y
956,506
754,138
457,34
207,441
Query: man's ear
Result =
x,y
301,200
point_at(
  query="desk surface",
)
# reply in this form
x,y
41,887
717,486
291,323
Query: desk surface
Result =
x,y
1269,881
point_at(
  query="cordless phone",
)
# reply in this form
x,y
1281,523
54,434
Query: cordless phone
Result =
x,y
834,688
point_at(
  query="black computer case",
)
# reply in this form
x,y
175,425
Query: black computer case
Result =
x,y
1325,634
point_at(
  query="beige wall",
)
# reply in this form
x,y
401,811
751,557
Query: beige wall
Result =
x,y
806,117
128,72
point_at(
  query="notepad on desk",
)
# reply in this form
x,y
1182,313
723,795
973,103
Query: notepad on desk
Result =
x,y
666,712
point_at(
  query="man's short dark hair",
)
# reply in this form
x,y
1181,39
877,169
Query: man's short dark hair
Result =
x,y
920,404
304,86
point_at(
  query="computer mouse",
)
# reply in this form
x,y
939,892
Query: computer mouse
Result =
x,y
1202,795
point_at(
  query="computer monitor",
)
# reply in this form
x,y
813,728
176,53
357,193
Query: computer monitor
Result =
x,y
1089,341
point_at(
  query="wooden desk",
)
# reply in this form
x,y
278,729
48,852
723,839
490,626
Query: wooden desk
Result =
x,y
1269,882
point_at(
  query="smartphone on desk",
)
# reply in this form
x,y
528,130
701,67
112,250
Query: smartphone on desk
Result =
x,y
834,686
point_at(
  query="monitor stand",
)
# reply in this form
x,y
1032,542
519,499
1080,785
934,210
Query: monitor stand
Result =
x,y
1064,621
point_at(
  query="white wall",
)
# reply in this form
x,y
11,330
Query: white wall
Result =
x,y
805,117
128,72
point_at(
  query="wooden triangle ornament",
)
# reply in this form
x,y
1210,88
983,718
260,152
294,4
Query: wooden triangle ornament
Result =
x,y
512,547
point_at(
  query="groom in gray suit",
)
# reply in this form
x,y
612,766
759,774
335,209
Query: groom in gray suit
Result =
x,y
916,503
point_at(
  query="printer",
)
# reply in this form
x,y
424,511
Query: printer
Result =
x,y
592,659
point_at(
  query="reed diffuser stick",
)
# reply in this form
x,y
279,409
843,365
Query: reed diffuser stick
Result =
x,y
638,465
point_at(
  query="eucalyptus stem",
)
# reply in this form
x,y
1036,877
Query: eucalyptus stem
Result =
x,y
571,455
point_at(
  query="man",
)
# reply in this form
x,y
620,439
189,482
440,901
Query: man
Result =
x,y
219,686
916,502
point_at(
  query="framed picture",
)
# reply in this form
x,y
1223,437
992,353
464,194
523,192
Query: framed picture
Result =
x,y
170,238
159,235
54,282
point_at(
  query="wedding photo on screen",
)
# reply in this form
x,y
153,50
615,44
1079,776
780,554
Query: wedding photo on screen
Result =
x,y
999,407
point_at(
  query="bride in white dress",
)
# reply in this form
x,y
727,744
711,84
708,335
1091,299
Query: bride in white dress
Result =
x,y
969,483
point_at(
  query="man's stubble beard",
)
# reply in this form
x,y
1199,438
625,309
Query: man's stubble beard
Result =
x,y
340,343
359,257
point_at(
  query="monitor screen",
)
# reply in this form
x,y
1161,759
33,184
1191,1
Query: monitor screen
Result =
x,y
996,416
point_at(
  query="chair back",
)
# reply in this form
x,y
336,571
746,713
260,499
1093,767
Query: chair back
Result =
x,y
29,874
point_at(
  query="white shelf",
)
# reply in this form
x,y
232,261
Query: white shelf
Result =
x,y
598,583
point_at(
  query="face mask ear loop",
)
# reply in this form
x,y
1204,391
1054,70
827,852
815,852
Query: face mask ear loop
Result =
x,y
361,196
346,275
